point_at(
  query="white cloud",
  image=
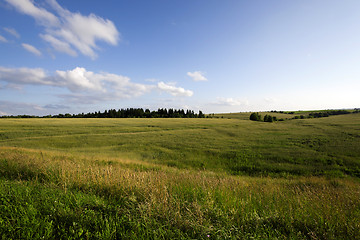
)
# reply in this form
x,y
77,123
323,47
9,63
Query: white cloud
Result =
x,y
197,76
112,85
123,86
66,31
31,49
41,15
83,31
231,102
24,76
79,79
12,32
2,39
86,86
58,45
175,91
151,80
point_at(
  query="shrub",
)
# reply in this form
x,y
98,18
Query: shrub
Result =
x,y
255,117
268,118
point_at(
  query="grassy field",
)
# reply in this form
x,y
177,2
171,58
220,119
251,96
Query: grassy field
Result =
x,y
213,178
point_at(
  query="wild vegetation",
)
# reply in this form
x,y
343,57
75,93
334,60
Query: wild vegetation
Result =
x,y
208,178
255,116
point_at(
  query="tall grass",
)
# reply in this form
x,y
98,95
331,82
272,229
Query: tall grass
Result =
x,y
180,178
58,195
322,147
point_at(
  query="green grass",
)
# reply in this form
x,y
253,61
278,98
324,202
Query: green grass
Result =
x,y
180,178
246,115
239,147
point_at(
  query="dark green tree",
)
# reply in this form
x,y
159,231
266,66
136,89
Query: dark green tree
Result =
x,y
255,117
201,115
268,118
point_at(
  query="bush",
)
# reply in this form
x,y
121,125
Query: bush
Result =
x,y
255,117
268,118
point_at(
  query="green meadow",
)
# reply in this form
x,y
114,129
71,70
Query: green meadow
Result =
x,y
224,177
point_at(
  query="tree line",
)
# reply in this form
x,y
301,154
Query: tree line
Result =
x,y
268,118
125,113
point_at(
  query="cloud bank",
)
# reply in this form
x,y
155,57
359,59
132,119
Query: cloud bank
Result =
x,y
69,32
87,86
15,108
197,76
3,113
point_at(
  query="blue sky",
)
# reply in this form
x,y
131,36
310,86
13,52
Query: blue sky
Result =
x,y
216,56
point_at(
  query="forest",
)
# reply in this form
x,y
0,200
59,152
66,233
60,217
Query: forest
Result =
x,y
125,113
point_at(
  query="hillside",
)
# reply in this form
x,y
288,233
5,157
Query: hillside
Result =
x,y
214,178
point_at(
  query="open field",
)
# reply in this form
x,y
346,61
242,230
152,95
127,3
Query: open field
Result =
x,y
219,178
